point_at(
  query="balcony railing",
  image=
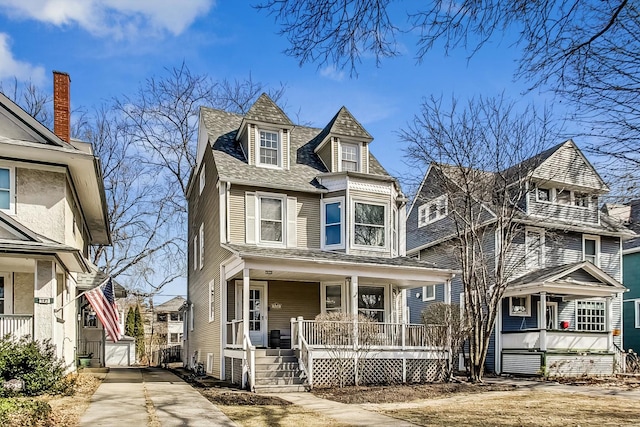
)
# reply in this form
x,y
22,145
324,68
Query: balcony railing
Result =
x,y
16,325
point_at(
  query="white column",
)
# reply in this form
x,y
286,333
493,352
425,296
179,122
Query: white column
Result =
x,y
354,307
608,322
44,293
498,330
403,306
543,319
245,305
447,292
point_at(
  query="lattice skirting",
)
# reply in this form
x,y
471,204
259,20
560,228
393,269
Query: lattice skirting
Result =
x,y
233,370
327,372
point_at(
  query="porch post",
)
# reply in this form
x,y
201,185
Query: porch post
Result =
x,y
354,309
447,292
608,323
543,319
44,319
245,306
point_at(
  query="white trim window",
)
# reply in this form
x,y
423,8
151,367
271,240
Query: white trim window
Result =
x,y
333,223
591,249
269,153
433,210
534,242
203,179
332,295
520,306
6,294
371,302
271,219
212,300
636,305
590,316
394,231
429,293
369,221
349,157
201,234
7,189
195,253
583,200
543,194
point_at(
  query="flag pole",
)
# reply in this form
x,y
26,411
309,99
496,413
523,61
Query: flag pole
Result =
x,y
81,294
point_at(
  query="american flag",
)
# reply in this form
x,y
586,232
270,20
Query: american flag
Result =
x,y
104,304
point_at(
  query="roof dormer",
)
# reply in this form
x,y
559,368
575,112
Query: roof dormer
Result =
x,y
344,145
264,135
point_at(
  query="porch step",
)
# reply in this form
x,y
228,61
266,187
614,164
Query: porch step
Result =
x,y
281,366
280,388
268,360
274,352
277,381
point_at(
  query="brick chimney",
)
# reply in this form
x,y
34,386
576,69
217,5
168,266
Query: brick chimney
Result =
x,y
62,105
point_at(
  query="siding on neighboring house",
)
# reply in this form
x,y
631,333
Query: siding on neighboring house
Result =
x,y
566,165
548,211
631,275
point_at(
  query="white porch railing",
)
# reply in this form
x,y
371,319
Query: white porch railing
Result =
x,y
16,325
556,340
374,335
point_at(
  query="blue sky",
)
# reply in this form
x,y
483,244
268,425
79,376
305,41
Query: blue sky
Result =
x,y
109,47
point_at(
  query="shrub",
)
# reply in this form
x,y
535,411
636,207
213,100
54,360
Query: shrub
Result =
x,y
24,412
35,363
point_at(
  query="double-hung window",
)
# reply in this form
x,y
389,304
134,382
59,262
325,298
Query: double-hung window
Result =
x,y
271,219
591,249
333,223
433,211
201,234
520,306
371,302
332,297
349,157
269,148
429,293
6,189
369,224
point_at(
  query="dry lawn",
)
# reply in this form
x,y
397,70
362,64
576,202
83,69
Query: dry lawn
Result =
x,y
67,410
517,408
270,415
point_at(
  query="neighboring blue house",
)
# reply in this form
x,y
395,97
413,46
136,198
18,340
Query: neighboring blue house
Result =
x,y
561,313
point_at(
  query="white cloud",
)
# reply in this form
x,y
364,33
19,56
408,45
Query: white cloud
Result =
x,y
10,67
112,18
332,73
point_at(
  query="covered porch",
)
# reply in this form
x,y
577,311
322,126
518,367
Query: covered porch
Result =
x,y
561,321
309,302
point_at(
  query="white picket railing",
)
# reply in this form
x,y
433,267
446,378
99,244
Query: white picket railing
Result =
x,y
16,325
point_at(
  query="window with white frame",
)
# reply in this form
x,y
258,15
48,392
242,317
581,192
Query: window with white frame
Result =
x,y
534,242
429,293
271,219
582,200
371,302
564,196
520,306
350,157
201,234
369,224
212,300
394,231
543,194
333,223
195,252
7,180
191,317
4,288
202,179
433,211
636,304
332,297
591,249
590,316
269,153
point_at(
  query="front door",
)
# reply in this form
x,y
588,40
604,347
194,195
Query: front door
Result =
x,y
257,311
551,315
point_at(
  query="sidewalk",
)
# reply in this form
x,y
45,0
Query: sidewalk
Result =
x,y
352,415
602,391
149,396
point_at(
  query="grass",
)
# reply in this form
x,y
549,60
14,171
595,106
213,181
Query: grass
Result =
x,y
67,410
517,408
270,415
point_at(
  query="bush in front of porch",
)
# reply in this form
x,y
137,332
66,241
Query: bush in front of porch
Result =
x,y
447,332
35,367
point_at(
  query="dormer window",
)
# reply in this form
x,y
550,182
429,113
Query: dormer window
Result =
x,y
269,154
543,195
350,156
432,211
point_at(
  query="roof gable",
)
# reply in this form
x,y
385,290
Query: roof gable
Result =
x,y
565,164
16,124
12,230
264,110
344,124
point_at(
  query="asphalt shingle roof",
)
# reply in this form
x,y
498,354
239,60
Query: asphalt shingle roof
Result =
x,y
305,165
265,110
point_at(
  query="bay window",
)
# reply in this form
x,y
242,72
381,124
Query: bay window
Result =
x,y
333,223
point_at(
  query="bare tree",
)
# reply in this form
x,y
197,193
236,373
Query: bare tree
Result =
x,y
445,329
477,152
587,52
36,102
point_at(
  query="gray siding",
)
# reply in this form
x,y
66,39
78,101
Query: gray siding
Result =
x,y
549,211
566,165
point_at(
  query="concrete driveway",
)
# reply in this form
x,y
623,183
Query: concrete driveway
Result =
x,y
149,397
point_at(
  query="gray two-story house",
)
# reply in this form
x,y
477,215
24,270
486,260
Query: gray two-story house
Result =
x,y
288,222
561,312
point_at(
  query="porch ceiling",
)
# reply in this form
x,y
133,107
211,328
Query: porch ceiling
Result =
x,y
571,289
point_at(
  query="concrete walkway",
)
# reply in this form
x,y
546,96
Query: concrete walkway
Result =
x,y
353,415
149,396
591,390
